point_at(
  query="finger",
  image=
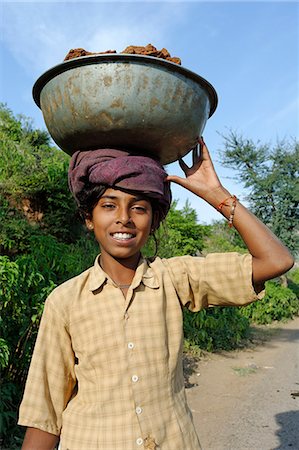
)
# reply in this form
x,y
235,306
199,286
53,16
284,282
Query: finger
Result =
x,y
195,155
206,155
176,179
183,166
204,151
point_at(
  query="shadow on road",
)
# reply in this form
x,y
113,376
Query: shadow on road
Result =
x,y
269,337
284,334
288,432
190,367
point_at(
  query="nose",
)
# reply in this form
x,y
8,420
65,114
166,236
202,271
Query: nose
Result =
x,y
124,216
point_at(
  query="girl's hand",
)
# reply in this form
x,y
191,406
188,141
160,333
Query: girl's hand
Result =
x,y
201,178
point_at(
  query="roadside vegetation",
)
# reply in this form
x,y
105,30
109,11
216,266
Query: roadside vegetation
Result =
x,y
43,243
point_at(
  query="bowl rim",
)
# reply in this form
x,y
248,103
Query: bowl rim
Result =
x,y
121,58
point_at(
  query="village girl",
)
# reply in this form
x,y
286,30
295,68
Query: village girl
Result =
x,y
106,372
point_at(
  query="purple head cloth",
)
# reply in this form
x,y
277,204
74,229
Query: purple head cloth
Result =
x,y
120,169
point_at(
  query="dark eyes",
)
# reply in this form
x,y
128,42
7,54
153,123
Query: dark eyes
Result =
x,y
137,208
108,206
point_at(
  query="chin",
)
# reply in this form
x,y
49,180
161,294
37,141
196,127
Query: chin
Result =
x,y
124,255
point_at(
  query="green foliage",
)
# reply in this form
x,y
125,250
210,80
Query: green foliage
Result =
x,y
293,281
14,230
215,328
20,302
279,303
294,276
9,126
180,234
4,353
9,393
33,181
271,177
221,238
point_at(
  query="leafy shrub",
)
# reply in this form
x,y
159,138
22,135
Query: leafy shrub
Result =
x,y
9,394
279,303
293,281
221,238
18,309
294,275
178,235
215,328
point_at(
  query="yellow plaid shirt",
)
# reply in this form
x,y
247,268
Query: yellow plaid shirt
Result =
x,y
106,372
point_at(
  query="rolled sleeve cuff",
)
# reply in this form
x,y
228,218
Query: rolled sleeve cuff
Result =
x,y
47,427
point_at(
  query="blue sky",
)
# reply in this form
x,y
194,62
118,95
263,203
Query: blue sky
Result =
x,y
249,51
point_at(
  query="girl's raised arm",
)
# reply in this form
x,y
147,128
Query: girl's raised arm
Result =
x,y
270,258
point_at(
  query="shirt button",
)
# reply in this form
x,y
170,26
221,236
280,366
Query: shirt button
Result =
x,y
139,441
138,410
134,378
130,345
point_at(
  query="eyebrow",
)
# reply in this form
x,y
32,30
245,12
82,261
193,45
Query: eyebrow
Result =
x,y
109,196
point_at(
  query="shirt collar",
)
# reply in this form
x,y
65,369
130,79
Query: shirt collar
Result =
x,y
144,274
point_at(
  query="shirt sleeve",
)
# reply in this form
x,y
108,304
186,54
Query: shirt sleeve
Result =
x,y
219,279
51,378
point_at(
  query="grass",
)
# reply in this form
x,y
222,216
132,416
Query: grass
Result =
x,y
244,371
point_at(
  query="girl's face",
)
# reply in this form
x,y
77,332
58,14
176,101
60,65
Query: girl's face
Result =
x,y
122,223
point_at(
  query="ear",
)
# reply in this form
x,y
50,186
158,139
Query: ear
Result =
x,y
89,224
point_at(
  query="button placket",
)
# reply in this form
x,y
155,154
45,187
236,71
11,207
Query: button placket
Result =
x,y
130,345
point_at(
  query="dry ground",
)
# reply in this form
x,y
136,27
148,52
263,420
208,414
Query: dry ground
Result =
x,y
248,399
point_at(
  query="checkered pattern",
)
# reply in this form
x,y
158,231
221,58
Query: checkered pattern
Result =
x,y
106,372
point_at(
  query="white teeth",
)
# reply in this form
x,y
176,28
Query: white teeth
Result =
x,y
122,236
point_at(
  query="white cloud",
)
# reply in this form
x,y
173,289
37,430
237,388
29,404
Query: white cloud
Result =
x,y
39,34
31,36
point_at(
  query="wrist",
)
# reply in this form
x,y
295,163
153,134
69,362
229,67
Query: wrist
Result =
x,y
216,196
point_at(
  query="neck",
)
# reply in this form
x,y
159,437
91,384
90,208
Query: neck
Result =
x,y
120,271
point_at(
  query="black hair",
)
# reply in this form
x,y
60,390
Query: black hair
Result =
x,y
88,197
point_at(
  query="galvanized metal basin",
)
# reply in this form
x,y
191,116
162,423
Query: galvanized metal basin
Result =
x,y
139,103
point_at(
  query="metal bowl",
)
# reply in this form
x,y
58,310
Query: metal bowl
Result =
x,y
134,102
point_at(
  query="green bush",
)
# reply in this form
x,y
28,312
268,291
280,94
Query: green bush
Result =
x,y
179,234
12,435
293,281
221,328
19,284
279,303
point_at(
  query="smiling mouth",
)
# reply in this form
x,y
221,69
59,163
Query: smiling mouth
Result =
x,y
122,236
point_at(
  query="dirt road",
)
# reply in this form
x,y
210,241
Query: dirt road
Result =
x,y
249,399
